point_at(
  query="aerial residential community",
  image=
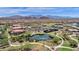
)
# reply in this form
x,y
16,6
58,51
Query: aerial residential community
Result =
x,y
35,32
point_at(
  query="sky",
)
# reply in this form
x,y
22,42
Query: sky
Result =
x,y
52,11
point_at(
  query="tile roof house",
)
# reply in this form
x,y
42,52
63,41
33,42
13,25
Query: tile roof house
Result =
x,y
17,29
74,31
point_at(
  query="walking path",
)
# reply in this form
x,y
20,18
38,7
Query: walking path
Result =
x,y
43,45
73,38
62,41
67,47
46,46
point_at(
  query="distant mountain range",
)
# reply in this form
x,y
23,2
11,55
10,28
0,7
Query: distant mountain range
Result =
x,y
16,17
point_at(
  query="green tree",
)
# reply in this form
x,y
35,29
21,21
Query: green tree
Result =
x,y
26,47
4,43
73,44
28,37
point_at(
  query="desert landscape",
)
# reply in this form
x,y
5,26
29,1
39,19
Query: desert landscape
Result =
x,y
38,32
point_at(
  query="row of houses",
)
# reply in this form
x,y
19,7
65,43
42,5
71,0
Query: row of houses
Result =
x,y
17,29
74,32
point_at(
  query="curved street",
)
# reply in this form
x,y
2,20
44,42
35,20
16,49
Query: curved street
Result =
x,y
46,46
73,38
62,41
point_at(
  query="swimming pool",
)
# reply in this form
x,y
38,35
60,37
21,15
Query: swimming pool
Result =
x,y
41,37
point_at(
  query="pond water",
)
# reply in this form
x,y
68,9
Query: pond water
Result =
x,y
41,37
75,24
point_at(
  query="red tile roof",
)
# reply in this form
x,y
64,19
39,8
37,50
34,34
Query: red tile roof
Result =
x,y
17,31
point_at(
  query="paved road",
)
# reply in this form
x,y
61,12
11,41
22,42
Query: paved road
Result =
x,y
67,47
60,45
62,41
73,39
46,46
43,45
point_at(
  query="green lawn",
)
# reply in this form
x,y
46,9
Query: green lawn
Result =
x,y
64,49
77,38
67,44
26,47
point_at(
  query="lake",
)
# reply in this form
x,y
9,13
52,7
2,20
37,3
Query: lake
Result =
x,y
41,37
